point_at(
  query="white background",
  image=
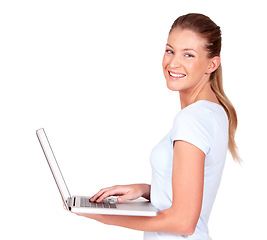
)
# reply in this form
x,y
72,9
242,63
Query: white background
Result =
x,y
89,72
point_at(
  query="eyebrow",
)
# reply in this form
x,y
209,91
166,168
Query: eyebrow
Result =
x,y
189,49
186,49
169,45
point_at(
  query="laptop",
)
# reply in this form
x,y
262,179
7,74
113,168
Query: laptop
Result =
x,y
82,204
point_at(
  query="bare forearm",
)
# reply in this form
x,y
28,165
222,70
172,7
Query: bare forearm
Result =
x,y
131,222
165,221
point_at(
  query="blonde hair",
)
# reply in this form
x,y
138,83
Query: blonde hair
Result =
x,y
216,83
204,26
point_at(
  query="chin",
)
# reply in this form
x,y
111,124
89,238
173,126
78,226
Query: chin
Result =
x,y
173,87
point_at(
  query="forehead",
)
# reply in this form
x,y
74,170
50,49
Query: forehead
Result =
x,y
186,39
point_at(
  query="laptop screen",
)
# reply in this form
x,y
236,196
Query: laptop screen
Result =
x,y
50,157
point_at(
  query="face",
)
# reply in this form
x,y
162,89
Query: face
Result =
x,y
185,63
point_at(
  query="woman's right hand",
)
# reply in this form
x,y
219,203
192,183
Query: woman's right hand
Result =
x,y
125,192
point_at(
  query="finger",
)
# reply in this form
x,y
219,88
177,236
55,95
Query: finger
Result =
x,y
96,196
112,192
116,191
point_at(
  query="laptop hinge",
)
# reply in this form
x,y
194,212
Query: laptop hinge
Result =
x,y
69,203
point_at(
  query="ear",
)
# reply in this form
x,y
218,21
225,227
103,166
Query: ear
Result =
x,y
214,64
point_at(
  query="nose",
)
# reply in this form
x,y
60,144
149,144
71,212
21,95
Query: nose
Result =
x,y
175,63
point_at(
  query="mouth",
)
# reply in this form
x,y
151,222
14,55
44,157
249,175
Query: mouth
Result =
x,y
177,75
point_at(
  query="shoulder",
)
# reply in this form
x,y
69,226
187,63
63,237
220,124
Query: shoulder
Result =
x,y
199,123
203,113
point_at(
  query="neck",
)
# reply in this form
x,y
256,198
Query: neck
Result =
x,y
201,93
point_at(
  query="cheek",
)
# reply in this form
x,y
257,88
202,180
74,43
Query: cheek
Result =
x,y
165,62
192,66
195,68
199,67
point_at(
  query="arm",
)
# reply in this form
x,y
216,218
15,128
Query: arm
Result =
x,y
182,216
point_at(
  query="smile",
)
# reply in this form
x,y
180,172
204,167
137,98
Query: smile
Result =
x,y
177,75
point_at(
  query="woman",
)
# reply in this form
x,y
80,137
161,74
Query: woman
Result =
x,y
188,163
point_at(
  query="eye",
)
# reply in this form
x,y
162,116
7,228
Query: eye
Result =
x,y
169,51
189,55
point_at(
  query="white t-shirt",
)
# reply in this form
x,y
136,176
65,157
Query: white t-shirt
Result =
x,y
205,125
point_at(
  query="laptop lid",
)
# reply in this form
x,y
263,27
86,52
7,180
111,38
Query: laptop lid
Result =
x,y
50,157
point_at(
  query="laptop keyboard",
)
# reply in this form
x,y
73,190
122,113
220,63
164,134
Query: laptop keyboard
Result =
x,y
107,203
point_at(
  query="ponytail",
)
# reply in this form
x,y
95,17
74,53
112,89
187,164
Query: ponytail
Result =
x,y
216,83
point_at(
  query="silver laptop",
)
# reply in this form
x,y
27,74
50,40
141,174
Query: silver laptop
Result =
x,y
81,204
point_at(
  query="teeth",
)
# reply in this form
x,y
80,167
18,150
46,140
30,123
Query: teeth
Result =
x,y
177,75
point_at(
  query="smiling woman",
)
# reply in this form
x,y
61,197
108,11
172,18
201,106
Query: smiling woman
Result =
x,y
187,164
186,65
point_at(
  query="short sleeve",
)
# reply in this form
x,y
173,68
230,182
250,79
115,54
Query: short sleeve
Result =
x,y
195,127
